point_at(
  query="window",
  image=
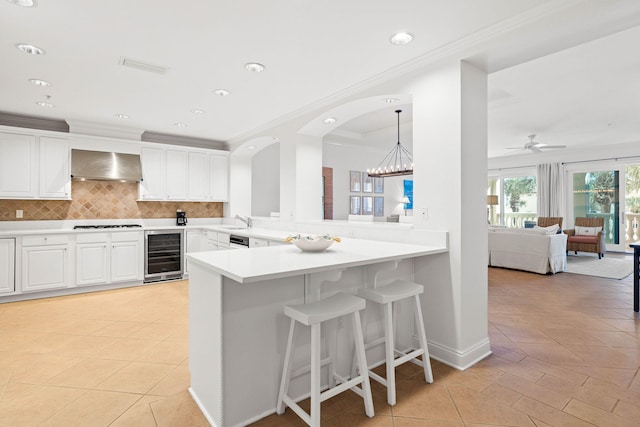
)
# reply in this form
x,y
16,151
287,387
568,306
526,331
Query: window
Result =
x,y
517,193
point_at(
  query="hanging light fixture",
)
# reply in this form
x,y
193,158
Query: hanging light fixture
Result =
x,y
398,162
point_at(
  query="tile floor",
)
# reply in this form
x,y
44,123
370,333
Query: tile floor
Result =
x,y
566,352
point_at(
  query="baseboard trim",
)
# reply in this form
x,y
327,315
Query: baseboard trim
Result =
x,y
460,359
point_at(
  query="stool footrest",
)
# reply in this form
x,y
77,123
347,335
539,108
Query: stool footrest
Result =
x,y
407,357
340,388
297,409
377,378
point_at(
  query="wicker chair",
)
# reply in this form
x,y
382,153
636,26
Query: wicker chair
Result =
x,y
546,221
593,244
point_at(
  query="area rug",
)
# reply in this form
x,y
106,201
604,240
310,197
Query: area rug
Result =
x,y
608,267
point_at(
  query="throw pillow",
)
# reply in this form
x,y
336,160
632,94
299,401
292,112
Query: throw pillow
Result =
x,y
552,229
587,231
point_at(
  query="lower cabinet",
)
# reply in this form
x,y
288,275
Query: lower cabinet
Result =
x,y
7,265
45,263
108,257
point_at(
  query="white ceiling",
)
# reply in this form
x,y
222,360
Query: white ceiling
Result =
x,y
315,51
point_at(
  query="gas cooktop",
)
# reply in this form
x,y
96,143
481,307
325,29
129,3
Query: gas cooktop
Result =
x,y
89,227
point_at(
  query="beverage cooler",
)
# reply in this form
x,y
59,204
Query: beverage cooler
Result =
x,y
164,254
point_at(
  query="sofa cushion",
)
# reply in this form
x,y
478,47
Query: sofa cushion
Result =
x,y
583,239
587,231
552,229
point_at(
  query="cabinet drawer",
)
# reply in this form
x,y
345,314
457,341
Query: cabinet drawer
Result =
x,y
92,237
126,236
52,239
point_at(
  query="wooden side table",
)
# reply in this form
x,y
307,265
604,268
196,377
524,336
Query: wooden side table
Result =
x,y
636,275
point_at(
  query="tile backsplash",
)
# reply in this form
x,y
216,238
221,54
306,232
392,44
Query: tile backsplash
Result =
x,y
104,200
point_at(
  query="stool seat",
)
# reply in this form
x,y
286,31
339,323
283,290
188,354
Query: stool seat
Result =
x,y
396,291
329,308
313,315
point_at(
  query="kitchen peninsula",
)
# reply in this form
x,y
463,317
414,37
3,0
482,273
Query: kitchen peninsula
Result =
x,y
237,329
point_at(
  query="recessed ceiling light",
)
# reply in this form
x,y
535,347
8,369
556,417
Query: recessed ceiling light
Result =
x,y
122,116
45,104
251,147
197,111
329,120
222,92
30,49
401,38
391,100
180,125
25,3
39,82
254,67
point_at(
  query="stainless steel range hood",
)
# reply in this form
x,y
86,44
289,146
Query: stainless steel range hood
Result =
x,y
103,166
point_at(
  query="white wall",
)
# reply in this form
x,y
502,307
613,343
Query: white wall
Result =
x,y
344,158
265,181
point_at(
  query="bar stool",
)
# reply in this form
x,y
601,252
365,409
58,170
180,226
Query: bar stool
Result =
x,y
386,296
313,314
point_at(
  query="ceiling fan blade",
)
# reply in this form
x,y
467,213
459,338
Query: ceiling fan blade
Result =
x,y
553,146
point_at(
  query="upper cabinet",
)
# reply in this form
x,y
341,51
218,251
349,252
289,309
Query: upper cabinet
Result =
x,y
33,167
176,174
185,175
55,177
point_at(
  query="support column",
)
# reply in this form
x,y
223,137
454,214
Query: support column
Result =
x,y
300,178
450,158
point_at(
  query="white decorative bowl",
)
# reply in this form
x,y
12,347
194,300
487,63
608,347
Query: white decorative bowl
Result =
x,y
312,243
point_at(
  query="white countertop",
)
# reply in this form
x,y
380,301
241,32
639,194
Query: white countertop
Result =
x,y
252,265
262,233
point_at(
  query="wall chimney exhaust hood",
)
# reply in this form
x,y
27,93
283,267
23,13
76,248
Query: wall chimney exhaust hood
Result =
x,y
103,166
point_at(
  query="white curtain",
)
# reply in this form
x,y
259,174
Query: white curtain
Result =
x,y
550,189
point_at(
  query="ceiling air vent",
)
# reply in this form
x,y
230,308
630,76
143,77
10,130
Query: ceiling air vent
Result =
x,y
143,66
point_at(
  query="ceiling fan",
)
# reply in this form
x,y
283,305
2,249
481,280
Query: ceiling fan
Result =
x,y
535,147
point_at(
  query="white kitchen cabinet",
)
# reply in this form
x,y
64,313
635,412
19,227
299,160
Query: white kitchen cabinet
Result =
x,y
34,167
7,265
92,260
219,174
45,262
55,176
188,175
177,163
125,261
108,257
198,175
18,168
255,242
152,186
196,242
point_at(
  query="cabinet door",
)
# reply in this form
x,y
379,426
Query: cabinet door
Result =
x,y
219,177
55,178
17,166
152,186
7,265
176,174
45,267
258,243
92,260
198,176
126,261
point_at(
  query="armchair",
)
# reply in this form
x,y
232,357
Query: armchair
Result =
x,y
593,244
546,221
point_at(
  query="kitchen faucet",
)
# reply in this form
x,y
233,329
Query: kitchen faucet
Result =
x,y
247,221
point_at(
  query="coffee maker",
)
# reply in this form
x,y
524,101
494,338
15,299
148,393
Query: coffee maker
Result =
x,y
181,218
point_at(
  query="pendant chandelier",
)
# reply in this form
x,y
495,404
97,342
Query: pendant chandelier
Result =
x,y
398,162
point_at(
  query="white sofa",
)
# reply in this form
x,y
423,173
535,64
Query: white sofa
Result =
x,y
527,249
